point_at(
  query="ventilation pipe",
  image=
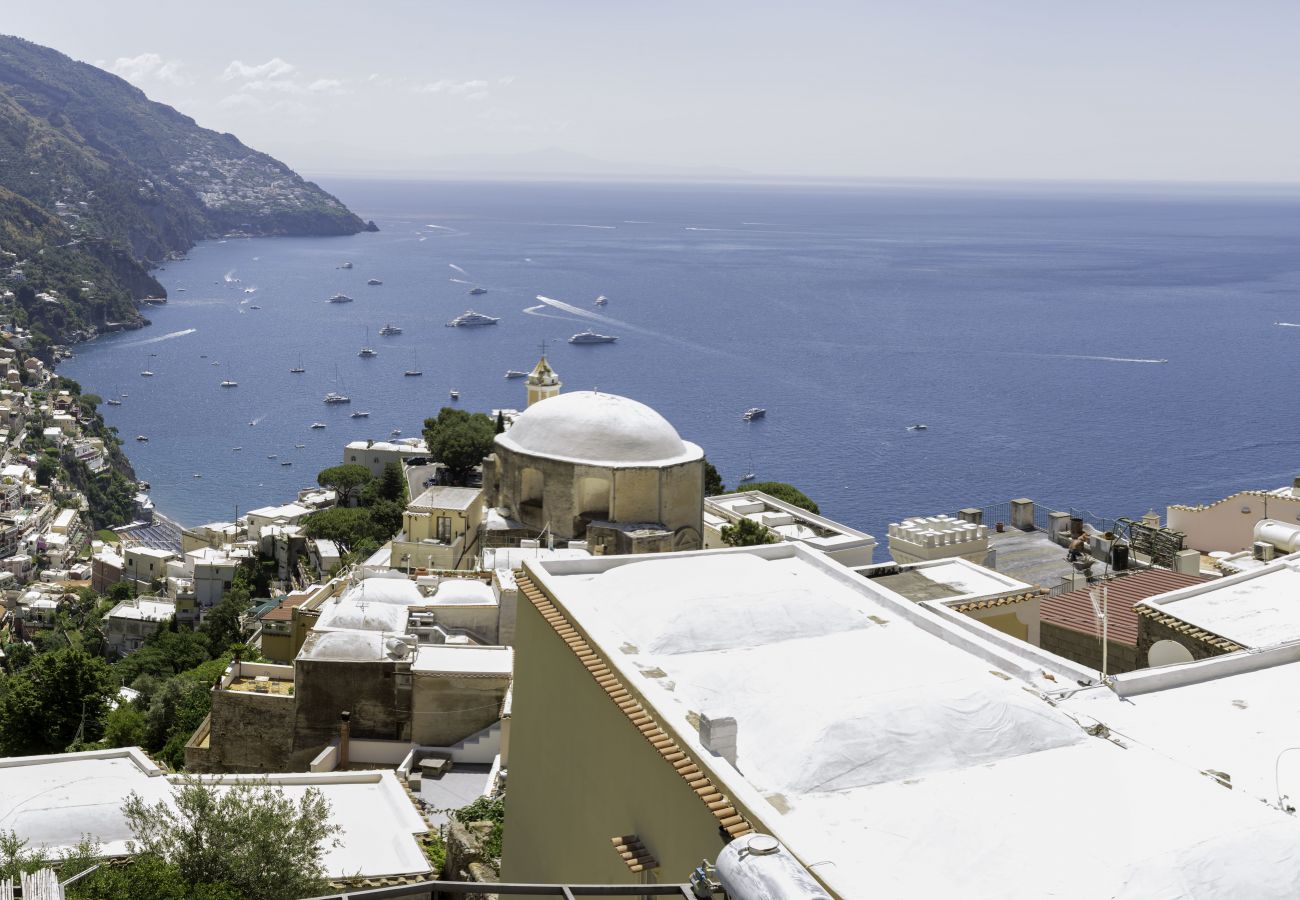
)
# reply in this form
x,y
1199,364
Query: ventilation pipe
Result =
x,y
345,732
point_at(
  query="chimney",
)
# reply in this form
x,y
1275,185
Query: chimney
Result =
x,y
345,730
718,735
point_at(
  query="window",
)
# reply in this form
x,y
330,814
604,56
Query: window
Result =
x,y
444,529
225,585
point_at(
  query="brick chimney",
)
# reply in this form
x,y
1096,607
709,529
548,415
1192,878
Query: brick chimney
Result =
x,y
345,731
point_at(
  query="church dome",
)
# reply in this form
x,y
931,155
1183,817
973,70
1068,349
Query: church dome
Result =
x,y
598,429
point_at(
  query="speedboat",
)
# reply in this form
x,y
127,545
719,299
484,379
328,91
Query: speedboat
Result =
x,y
396,432
336,397
360,415
114,402
455,395
346,265
471,318
235,449
317,424
147,374
367,353
287,463
142,439
515,373
478,290
230,383
754,412
591,337
917,427
299,446
389,330
374,281
272,455
340,298
602,300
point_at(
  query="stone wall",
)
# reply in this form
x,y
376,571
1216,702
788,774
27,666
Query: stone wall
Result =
x,y
1085,649
368,690
449,708
248,733
1150,630
466,860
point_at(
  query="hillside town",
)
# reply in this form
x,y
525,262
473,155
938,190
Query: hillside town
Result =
x,y
580,665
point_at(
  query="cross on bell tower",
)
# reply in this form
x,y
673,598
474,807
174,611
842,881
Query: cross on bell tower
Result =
x,y
542,381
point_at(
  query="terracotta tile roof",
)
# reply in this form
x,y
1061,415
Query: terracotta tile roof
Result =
x,y
972,605
729,818
283,612
633,853
1074,610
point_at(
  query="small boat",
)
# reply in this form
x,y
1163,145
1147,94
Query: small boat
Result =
x,y
917,427
250,290
252,423
147,374
346,265
367,353
197,475
287,463
396,432
272,456
412,373
299,446
297,370
360,415
336,397
142,439
203,356
591,337
748,476
515,373
230,383
214,363
455,395
235,449
602,300
478,290
754,412
470,318
389,330
254,306
374,281
114,402
340,298
317,424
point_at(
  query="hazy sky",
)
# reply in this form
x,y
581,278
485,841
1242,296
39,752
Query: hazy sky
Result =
x,y
1184,91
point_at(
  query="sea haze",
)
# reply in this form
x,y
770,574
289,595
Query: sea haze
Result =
x,y
1025,328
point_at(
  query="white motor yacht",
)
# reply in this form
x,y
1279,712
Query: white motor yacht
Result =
x,y
340,298
591,337
470,318
754,412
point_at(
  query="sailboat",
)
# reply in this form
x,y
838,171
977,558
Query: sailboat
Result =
x,y
414,371
367,352
145,371
298,369
229,382
337,396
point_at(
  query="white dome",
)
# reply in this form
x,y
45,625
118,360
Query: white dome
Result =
x,y
600,429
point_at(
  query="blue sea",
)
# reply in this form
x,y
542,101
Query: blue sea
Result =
x,y
1110,349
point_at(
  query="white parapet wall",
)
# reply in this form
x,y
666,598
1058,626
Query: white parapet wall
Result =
x,y
937,537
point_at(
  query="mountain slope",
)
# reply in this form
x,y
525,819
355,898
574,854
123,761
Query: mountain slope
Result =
x,y
131,180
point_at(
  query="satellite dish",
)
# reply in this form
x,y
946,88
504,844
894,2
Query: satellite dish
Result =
x,y
1168,653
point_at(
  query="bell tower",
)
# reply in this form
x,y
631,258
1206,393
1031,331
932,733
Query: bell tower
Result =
x,y
542,381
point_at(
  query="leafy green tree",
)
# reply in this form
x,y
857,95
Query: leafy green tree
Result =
x,y
386,519
346,481
787,492
145,877
221,625
459,440
747,533
176,710
391,485
58,698
249,837
713,485
124,727
46,469
348,526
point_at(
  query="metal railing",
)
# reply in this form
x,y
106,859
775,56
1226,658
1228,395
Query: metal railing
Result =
x,y
684,891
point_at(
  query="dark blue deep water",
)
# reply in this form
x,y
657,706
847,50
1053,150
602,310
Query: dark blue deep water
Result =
x,y
1022,326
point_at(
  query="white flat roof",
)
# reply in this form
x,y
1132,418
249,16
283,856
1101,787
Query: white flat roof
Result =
x,y
513,557
1258,608
462,659
446,497
52,801
893,752
145,610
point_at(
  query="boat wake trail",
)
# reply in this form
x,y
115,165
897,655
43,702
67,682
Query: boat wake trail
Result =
x,y
163,337
458,269
1288,324
533,311
229,277
621,324
460,281
1114,359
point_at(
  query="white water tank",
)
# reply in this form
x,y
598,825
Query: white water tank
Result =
x,y
1282,535
757,867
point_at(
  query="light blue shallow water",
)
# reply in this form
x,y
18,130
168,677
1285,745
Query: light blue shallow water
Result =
x,y
1019,326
